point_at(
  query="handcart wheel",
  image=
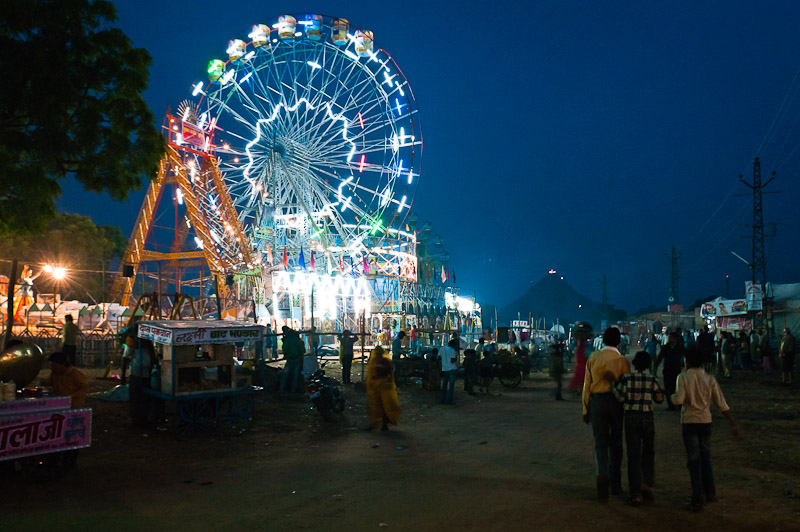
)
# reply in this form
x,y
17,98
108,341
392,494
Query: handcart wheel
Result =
x,y
510,377
196,416
235,412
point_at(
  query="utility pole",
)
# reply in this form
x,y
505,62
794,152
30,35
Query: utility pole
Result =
x,y
605,290
673,293
759,263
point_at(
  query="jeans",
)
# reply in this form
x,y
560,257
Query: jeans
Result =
x,y
347,364
640,434
606,415
697,441
448,386
291,370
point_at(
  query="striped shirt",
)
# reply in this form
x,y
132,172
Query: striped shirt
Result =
x,y
637,391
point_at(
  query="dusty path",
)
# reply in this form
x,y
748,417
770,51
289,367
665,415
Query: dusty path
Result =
x,y
517,460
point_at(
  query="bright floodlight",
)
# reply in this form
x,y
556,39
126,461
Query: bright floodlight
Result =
x,y
48,268
59,273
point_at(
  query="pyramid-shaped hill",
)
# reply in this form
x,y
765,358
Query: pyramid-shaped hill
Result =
x,y
554,299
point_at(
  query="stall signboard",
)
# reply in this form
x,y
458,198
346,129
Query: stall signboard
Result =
x,y
754,294
28,434
156,334
212,334
734,323
723,307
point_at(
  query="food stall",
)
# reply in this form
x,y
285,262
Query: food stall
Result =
x,y
199,369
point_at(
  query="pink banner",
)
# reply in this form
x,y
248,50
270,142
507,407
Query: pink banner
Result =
x,y
40,433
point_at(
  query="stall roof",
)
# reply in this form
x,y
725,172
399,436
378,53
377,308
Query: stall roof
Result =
x,y
195,332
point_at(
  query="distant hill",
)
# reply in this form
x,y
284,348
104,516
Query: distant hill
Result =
x,y
553,299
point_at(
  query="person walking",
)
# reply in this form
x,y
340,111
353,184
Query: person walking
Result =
x,y
382,402
485,371
448,357
604,412
637,391
695,391
765,352
672,355
346,343
787,355
705,342
293,351
69,339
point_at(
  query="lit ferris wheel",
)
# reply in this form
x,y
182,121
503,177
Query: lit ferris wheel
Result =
x,y
316,137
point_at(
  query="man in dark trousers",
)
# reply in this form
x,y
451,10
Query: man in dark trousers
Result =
x,y
601,408
672,355
705,344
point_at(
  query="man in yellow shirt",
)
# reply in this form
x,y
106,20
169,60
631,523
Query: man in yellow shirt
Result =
x,y
604,412
67,380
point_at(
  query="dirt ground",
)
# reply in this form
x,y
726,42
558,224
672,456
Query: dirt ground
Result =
x,y
512,460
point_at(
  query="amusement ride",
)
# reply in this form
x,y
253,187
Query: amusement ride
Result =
x,y
291,167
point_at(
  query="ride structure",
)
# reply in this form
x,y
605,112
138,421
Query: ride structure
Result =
x,y
292,168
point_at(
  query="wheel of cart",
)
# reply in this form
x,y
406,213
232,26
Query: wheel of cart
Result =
x,y
196,415
235,412
510,375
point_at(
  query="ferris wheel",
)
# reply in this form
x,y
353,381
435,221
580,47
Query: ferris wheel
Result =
x,y
316,136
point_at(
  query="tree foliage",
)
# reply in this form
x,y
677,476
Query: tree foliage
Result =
x,y
74,242
70,104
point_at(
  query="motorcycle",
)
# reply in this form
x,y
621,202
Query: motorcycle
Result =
x,y
324,394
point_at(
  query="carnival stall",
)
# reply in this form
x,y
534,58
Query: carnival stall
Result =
x,y
199,369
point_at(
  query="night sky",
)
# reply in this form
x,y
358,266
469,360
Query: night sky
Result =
x,y
588,137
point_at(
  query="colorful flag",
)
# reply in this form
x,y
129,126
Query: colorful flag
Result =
x,y
285,258
364,261
341,266
444,275
269,254
302,260
312,259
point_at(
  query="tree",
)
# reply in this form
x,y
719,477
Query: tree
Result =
x,y
76,243
70,105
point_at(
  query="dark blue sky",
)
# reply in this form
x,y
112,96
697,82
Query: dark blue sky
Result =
x,y
588,137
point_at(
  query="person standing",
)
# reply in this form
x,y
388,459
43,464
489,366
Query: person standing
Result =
x,y
346,343
557,366
765,352
651,346
580,365
695,391
604,412
67,380
744,351
397,347
470,370
293,351
637,391
672,355
787,356
448,356
69,339
382,403
705,343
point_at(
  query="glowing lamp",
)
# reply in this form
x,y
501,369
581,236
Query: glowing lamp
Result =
x,y
59,273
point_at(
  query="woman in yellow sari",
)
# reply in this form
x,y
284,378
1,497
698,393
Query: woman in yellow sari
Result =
x,y
382,402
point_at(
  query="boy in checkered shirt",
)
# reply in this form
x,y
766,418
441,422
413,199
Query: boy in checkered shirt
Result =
x,y
638,390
